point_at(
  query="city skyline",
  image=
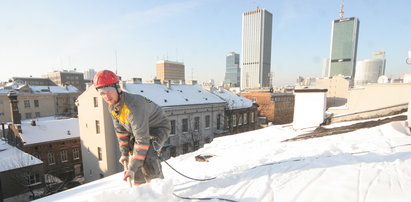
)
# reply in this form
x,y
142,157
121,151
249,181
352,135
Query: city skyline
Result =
x,y
42,36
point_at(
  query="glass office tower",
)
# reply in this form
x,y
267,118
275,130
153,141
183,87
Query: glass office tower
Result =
x,y
343,51
232,72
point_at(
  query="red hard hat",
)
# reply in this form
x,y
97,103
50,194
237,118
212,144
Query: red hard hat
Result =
x,y
104,78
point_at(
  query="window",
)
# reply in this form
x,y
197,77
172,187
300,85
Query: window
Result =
x,y
33,179
50,158
97,126
28,115
196,123
37,114
218,121
185,148
95,101
245,118
100,153
36,103
76,153
185,125
63,155
173,151
234,120
207,121
26,103
173,127
252,117
240,120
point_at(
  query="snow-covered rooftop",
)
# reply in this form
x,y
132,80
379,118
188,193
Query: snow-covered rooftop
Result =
x,y
175,95
370,164
54,89
12,158
234,101
38,89
51,129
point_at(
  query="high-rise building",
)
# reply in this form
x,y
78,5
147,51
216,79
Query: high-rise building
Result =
x,y
256,49
170,70
369,70
343,49
232,72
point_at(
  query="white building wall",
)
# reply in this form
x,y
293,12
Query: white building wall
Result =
x,y
309,108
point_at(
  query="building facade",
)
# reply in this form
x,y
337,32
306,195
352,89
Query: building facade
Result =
x,y
39,101
232,72
278,108
256,49
170,70
196,117
19,173
343,48
55,142
240,113
368,71
67,77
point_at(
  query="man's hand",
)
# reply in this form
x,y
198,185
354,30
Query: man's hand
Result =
x,y
128,174
124,160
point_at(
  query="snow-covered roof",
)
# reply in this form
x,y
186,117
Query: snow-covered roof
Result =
x,y
54,89
38,89
175,95
234,101
12,158
49,130
371,164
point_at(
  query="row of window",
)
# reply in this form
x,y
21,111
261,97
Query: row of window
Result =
x,y
27,103
185,124
242,119
29,115
63,156
282,99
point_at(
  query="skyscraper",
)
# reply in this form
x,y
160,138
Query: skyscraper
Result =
x,y
256,49
232,72
343,49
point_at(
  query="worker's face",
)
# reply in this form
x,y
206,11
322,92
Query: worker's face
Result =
x,y
111,97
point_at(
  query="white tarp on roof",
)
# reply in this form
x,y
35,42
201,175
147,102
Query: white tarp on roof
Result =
x,y
370,164
49,130
175,95
12,158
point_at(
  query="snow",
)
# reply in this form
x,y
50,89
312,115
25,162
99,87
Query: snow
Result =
x,y
175,95
370,165
39,89
54,89
234,101
49,129
12,158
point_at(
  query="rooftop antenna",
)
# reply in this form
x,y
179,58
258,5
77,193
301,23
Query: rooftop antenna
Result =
x,y
115,52
342,10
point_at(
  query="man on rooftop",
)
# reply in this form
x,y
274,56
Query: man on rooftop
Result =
x,y
140,125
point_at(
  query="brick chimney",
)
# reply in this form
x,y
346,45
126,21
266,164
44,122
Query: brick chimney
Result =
x,y
15,115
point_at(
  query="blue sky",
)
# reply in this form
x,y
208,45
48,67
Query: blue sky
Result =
x,y
37,37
